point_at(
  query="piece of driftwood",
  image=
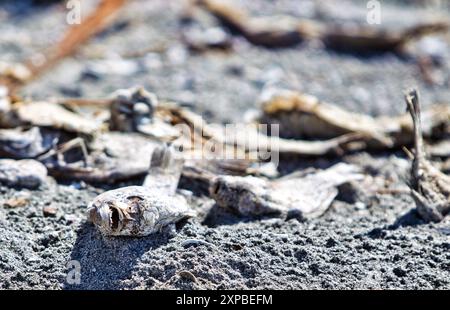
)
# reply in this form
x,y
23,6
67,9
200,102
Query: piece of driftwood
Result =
x,y
27,173
303,194
302,116
430,187
143,210
282,31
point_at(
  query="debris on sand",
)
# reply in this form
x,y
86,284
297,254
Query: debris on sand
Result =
x,y
276,32
49,211
14,72
282,31
132,110
18,201
368,39
430,187
302,116
306,194
27,173
254,140
48,114
110,157
143,210
200,34
19,143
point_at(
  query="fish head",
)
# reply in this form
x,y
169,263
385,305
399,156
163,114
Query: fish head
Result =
x,y
110,216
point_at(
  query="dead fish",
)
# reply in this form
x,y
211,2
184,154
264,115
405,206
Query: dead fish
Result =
x,y
303,116
143,210
430,187
27,173
112,157
303,194
368,39
282,31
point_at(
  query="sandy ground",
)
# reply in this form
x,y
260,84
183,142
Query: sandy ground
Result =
x,y
365,240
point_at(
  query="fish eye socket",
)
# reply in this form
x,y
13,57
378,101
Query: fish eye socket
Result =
x,y
115,218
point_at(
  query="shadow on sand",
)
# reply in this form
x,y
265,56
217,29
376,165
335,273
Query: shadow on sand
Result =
x,y
106,262
410,218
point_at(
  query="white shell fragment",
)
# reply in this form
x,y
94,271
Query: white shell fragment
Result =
x,y
303,194
22,173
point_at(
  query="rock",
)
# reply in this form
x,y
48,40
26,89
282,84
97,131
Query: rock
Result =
x,y
49,211
20,144
22,173
112,66
177,54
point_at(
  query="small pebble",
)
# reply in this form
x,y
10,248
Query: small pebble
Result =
x,y
49,211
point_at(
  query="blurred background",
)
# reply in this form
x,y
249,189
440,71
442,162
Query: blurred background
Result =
x,y
146,45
